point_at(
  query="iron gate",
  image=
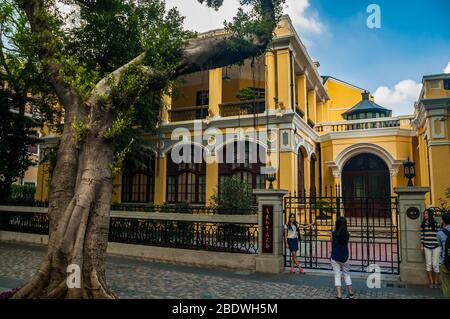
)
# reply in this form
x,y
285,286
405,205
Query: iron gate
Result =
x,y
372,223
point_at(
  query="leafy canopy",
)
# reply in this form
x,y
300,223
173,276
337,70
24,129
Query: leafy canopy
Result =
x,y
93,38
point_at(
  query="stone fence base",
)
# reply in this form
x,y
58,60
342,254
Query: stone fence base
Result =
x,y
173,255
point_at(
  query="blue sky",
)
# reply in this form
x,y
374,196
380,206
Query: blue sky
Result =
x,y
414,40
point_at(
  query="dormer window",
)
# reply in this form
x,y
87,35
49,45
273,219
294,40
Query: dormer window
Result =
x,y
446,84
366,109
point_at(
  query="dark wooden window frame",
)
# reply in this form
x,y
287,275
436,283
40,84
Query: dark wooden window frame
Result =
x,y
227,170
128,187
193,193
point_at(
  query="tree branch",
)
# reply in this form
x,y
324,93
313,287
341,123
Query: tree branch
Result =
x,y
202,53
212,52
103,88
65,170
48,51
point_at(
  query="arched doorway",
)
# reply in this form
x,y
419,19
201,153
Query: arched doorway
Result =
x,y
366,186
365,175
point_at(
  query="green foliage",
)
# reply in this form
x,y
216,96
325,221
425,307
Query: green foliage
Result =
x,y
246,94
24,88
80,129
235,194
121,121
16,132
22,192
120,156
444,202
111,33
20,65
49,158
79,76
96,38
246,23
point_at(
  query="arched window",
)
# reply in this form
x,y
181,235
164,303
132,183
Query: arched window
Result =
x,y
186,181
138,181
300,173
244,160
313,175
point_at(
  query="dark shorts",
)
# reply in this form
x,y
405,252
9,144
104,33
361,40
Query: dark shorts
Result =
x,y
293,244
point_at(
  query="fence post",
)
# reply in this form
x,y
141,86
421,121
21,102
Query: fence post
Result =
x,y
411,201
270,234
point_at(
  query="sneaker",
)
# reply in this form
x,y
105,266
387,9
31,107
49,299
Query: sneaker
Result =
x,y
432,286
301,271
292,270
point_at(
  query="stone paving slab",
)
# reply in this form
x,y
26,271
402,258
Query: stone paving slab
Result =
x,y
135,278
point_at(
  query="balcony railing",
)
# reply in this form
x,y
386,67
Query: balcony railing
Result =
x,y
364,124
226,109
243,108
188,113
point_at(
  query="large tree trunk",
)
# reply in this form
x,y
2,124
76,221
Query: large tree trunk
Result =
x,y
82,180
79,235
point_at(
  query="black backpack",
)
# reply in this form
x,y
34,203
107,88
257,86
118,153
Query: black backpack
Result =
x,y
447,249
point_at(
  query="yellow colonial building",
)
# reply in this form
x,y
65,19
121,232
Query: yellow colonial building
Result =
x,y
315,131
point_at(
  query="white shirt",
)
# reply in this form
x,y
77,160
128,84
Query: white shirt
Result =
x,y
292,231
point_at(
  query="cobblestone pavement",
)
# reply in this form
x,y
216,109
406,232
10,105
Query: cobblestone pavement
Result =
x,y
134,278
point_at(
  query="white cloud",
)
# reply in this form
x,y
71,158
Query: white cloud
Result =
x,y
201,18
297,10
447,68
401,98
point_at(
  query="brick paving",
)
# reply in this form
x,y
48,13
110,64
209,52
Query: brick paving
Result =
x,y
134,278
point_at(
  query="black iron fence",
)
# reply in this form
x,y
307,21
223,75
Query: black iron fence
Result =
x,y
209,236
372,223
34,223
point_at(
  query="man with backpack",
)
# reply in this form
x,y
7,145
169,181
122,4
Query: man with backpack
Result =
x,y
443,237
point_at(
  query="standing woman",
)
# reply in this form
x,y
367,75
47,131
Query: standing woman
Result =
x,y
292,238
429,245
340,257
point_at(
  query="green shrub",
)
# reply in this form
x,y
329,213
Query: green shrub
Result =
x,y
235,197
22,192
181,208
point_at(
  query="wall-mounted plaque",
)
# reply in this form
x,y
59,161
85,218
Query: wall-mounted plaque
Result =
x,y
267,231
413,212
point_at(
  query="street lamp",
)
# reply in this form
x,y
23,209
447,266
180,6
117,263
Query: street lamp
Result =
x,y
271,176
409,171
226,77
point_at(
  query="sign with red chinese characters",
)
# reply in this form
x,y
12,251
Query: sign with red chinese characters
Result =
x,y
267,231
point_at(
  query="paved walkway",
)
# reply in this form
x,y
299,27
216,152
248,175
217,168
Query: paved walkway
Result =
x,y
133,278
